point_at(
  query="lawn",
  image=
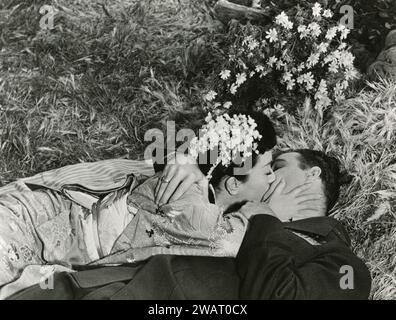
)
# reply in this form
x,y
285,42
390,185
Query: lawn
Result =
x,y
110,70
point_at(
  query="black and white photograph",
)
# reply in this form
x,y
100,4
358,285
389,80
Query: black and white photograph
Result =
x,y
199,150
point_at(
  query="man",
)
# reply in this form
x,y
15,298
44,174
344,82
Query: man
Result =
x,y
306,258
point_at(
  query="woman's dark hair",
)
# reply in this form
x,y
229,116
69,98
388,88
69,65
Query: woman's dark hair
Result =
x,y
331,175
267,142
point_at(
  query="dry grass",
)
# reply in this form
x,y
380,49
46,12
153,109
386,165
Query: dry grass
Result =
x,y
90,89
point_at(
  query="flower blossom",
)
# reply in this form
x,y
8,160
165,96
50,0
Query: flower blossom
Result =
x,y
313,60
304,32
253,44
210,96
291,84
333,67
342,46
328,13
272,35
323,47
233,89
280,64
225,74
287,76
259,68
272,60
344,32
322,96
317,10
331,33
227,105
314,29
308,79
283,20
240,78
301,67
339,92
346,59
350,74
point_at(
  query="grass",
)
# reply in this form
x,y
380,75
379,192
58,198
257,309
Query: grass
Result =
x,y
91,88
110,70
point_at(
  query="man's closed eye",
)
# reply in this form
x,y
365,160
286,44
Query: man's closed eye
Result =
x,y
276,167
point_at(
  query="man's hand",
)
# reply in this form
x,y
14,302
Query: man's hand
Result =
x,y
177,177
251,209
298,203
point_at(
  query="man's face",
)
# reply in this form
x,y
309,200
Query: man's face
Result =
x,y
259,179
287,166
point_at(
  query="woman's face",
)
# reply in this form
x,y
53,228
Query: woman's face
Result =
x,y
287,166
259,180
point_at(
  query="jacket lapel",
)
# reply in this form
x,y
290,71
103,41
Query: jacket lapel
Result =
x,y
324,227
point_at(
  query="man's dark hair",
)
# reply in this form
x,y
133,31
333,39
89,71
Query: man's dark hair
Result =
x,y
331,175
266,143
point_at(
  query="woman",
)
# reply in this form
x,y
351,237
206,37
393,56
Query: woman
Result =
x,y
67,226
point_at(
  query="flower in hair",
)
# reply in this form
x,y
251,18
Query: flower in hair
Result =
x,y
233,138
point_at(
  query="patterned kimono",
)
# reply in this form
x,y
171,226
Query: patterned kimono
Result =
x,y
101,213
46,221
189,226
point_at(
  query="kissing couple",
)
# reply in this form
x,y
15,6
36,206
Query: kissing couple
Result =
x,y
117,229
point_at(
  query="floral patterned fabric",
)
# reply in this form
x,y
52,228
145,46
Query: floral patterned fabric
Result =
x,y
39,228
45,228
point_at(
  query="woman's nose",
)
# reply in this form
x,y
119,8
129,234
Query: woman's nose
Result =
x,y
271,177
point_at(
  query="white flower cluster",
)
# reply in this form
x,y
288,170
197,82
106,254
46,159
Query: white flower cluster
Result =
x,y
234,137
278,109
283,20
311,58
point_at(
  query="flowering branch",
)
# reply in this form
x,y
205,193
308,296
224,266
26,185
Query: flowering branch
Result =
x,y
233,137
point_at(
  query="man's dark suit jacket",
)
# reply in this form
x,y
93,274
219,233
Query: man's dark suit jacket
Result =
x,y
274,262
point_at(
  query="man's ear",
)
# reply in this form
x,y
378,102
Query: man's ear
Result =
x,y
232,184
314,173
